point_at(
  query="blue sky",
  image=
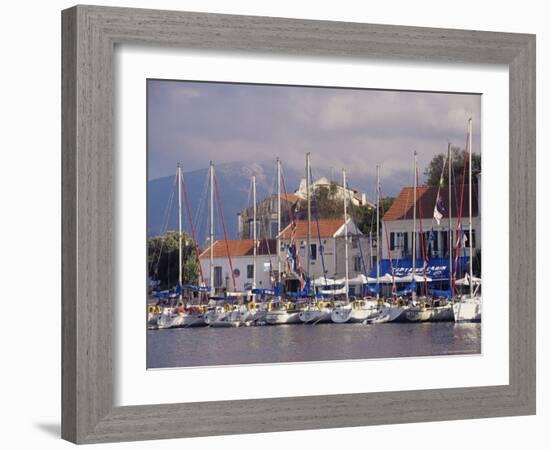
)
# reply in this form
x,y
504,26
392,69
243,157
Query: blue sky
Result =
x,y
194,122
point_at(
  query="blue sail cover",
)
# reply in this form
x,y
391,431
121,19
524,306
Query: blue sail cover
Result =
x,y
263,291
276,291
196,288
436,268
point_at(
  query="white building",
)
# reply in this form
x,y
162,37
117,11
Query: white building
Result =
x,y
242,262
356,197
397,225
328,234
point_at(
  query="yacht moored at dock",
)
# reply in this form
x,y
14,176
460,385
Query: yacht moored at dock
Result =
x,y
356,312
282,313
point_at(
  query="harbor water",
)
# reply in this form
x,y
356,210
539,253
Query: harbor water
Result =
x,y
186,347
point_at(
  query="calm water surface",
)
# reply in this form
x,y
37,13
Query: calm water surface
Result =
x,y
294,343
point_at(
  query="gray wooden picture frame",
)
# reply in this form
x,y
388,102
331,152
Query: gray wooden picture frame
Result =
x,y
90,34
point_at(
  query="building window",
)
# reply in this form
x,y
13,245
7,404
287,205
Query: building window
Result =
x,y
217,277
354,242
250,271
313,253
357,263
398,241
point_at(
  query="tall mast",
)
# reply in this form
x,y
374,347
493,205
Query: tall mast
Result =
x,y
414,228
377,230
370,252
278,219
212,290
308,195
346,233
470,204
180,277
450,239
254,235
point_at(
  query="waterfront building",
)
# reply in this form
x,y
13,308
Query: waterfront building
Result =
x,y
239,255
397,224
327,253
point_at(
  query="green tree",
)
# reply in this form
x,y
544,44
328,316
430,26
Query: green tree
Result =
x,y
162,259
435,168
365,217
325,202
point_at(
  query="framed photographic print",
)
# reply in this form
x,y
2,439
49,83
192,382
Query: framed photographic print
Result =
x,y
293,214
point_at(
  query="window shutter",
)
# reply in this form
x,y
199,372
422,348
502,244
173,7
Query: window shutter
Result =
x,y
392,241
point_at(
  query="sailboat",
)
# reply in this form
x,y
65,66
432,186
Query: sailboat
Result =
x,y
392,308
279,311
224,311
467,308
361,309
233,316
314,312
181,315
425,308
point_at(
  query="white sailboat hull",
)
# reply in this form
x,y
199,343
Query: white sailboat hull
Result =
x,y
429,314
353,315
169,320
280,317
393,313
175,320
213,315
340,315
315,316
259,315
226,324
380,318
234,318
193,320
467,310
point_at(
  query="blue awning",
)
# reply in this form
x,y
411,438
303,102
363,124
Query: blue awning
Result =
x,y
436,268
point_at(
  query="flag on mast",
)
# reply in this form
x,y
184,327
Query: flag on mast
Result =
x,y
439,209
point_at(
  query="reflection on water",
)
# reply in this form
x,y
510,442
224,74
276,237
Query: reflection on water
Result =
x,y
294,343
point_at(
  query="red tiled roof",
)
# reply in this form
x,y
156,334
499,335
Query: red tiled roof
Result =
x,y
426,196
327,228
242,247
